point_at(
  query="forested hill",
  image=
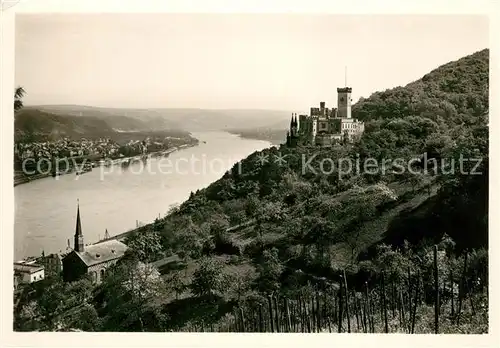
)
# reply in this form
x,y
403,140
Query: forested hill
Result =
x,y
437,119
300,217
455,91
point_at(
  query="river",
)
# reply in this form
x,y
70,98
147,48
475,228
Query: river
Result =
x,y
115,198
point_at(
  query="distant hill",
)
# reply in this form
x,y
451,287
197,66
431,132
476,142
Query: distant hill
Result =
x,y
118,119
176,118
37,125
223,119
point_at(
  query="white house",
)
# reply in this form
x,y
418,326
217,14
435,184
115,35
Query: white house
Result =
x,y
28,272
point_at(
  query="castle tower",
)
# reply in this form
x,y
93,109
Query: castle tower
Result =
x,y
79,245
344,102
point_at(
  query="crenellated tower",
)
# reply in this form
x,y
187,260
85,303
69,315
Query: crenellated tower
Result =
x,y
344,102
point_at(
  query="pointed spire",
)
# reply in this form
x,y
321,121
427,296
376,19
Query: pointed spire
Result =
x,y
78,231
79,245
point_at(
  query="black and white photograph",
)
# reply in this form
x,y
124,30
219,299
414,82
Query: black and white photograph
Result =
x,y
249,173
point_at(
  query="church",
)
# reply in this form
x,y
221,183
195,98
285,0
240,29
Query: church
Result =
x,y
90,259
324,126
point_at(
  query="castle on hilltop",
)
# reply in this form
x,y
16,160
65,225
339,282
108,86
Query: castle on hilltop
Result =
x,y
325,127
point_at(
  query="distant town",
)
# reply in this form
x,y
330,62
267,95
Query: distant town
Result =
x,y
31,159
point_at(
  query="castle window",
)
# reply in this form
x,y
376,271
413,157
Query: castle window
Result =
x,y
102,274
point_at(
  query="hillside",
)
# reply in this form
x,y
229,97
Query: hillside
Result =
x,y
52,123
176,118
300,218
118,119
36,124
223,119
453,92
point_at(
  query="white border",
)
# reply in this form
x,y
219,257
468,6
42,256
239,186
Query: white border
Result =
x,y
9,338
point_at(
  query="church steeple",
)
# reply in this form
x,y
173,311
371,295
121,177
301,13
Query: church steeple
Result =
x,y
79,245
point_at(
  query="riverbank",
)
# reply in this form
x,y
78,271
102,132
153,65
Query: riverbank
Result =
x,y
22,178
45,210
275,136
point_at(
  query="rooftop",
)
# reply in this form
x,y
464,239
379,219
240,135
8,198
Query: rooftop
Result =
x,y
27,267
102,252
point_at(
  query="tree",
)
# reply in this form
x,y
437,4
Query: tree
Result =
x,y
270,269
18,95
208,279
146,245
176,284
133,292
58,306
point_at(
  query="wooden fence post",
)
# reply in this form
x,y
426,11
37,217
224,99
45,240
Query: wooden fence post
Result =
x,y
417,294
402,310
347,304
307,316
312,316
393,297
288,319
384,303
261,319
340,309
436,291
326,313
470,298
364,308
301,315
276,313
334,314
452,294
270,305
356,309
461,288
368,309
318,312
242,320
410,307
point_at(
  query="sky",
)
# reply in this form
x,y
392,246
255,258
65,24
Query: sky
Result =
x,y
225,61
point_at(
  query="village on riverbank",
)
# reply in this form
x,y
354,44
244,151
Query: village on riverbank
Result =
x,y
36,160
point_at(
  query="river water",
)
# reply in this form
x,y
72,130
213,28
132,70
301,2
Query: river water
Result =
x,y
116,198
